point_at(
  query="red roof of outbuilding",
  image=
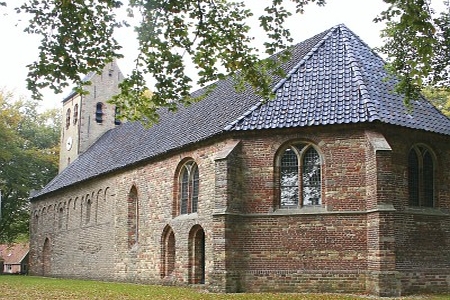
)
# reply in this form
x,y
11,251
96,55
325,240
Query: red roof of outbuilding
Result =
x,y
13,254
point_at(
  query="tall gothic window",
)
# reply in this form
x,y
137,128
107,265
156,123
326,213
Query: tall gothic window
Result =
x,y
420,177
188,184
300,176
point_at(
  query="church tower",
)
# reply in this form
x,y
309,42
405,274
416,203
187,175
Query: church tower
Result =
x,y
87,117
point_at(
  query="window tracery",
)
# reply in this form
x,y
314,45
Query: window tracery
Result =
x,y
188,188
300,174
421,176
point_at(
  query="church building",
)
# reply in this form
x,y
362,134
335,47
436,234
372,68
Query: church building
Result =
x,y
332,186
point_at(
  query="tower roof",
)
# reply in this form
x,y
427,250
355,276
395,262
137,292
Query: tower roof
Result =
x,y
332,78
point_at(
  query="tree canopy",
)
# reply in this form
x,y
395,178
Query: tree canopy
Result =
x,y
214,36
29,151
440,97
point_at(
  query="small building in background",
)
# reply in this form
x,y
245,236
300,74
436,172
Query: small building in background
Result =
x,y
14,258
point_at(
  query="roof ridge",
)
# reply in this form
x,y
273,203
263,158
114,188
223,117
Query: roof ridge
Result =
x,y
358,74
305,58
285,78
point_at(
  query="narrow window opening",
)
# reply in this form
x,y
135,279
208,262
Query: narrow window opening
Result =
x,y
413,178
75,114
311,182
99,113
88,211
68,118
60,217
195,183
289,179
133,217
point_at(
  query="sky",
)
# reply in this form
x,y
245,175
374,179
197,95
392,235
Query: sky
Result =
x,y
19,49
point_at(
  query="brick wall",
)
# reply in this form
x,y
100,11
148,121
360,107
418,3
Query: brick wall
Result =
x,y
358,240
422,235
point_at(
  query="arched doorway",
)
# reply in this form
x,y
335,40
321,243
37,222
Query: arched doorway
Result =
x,y
197,255
167,252
46,258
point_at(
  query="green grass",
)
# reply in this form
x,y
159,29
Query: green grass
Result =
x,y
30,287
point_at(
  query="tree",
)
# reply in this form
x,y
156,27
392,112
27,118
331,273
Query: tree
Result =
x,y
77,38
28,159
418,45
440,97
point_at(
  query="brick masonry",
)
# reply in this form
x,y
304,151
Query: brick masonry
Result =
x,y
364,238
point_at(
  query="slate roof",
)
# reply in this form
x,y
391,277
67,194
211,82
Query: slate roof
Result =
x,y
332,78
340,81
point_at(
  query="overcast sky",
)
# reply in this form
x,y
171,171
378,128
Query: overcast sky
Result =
x,y
19,49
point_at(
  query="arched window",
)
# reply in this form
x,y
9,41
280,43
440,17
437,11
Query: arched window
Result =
x,y
300,178
68,118
75,114
99,112
421,176
133,217
188,183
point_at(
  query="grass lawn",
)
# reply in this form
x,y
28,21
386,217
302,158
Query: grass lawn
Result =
x,y
30,287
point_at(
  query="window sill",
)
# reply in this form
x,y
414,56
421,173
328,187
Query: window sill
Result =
x,y
430,211
187,216
300,210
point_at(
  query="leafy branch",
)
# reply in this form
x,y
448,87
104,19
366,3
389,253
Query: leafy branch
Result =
x,y
214,37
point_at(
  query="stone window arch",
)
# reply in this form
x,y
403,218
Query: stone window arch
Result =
x,y
187,188
421,176
299,176
167,252
132,217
